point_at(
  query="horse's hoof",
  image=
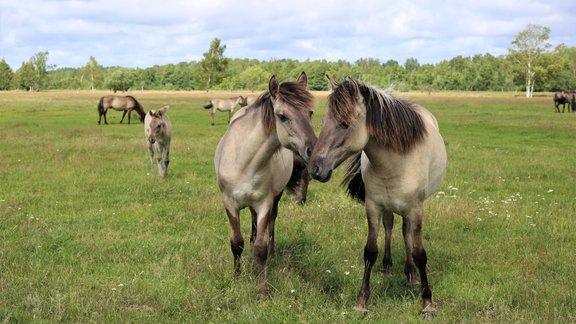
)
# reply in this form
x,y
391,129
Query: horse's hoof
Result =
x,y
360,308
428,312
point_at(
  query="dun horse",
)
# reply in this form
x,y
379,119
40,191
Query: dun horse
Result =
x,y
254,160
398,159
158,132
120,103
224,105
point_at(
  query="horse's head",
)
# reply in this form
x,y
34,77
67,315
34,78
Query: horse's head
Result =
x,y
343,132
293,103
155,125
241,101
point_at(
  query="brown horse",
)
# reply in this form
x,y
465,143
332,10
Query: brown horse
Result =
x,y
563,99
120,103
254,161
398,160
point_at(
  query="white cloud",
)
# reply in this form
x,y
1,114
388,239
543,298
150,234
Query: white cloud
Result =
x,y
144,33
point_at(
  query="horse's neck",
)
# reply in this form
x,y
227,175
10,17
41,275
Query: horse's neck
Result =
x,y
254,146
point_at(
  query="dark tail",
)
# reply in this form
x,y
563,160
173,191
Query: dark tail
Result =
x,y
101,105
208,105
353,179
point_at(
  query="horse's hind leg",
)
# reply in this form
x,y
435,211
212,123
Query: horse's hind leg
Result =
x,y
212,117
103,114
236,239
388,218
254,230
167,158
409,267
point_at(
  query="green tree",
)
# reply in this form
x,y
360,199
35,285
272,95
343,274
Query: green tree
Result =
x,y
213,65
6,75
39,62
121,79
526,52
24,77
254,78
92,72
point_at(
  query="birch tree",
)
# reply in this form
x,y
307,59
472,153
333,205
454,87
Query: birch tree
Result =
x,y
526,53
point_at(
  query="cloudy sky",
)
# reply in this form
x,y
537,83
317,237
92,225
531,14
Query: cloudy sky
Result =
x,y
143,33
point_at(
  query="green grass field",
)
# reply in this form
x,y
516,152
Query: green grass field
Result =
x,y
86,235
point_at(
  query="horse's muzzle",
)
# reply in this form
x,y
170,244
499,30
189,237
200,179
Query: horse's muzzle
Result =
x,y
319,173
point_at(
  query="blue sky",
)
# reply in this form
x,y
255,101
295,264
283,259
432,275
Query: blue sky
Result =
x,y
136,33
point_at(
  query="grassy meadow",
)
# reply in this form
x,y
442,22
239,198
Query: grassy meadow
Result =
x,y
87,235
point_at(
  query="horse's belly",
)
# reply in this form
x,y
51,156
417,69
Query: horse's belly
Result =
x,y
405,181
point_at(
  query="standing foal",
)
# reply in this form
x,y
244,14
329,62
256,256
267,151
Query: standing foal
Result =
x,y
158,131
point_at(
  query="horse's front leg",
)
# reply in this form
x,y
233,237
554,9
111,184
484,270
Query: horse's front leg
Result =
x,y
271,223
260,248
236,239
388,220
212,117
370,255
413,238
161,165
123,115
151,154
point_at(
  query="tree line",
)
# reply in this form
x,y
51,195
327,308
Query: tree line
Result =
x,y
531,64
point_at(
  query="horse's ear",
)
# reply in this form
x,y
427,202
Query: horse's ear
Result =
x,y
273,86
354,82
163,110
332,82
303,78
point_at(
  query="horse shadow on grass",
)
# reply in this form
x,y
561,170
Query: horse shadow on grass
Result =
x,y
339,280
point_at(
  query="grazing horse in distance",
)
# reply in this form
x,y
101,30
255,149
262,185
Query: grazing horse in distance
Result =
x,y
563,99
254,161
224,105
398,159
158,132
250,99
120,103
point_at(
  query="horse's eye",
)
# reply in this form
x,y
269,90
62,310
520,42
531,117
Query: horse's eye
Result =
x,y
344,125
282,117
